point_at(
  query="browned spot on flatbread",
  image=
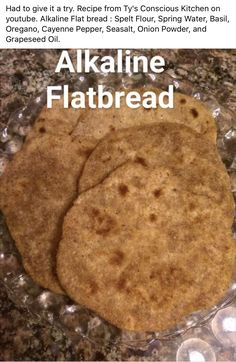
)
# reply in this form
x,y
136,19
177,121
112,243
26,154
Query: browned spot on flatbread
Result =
x,y
117,258
194,112
121,284
95,212
104,224
153,275
93,287
141,161
183,101
153,297
123,189
157,193
42,129
152,217
192,206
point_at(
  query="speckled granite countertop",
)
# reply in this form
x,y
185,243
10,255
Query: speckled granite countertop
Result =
x,y
24,73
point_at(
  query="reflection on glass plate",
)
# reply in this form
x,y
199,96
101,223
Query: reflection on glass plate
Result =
x,y
195,350
224,326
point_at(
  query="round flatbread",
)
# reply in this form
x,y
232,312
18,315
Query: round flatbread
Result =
x,y
36,191
147,246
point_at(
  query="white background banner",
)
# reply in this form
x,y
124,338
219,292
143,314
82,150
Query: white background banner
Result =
x,y
118,24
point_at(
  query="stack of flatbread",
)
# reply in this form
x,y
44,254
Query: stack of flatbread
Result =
x,y
128,212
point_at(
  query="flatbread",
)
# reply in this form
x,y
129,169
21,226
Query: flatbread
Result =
x,y
187,110
56,120
171,141
36,191
49,154
82,128
192,113
90,125
147,246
